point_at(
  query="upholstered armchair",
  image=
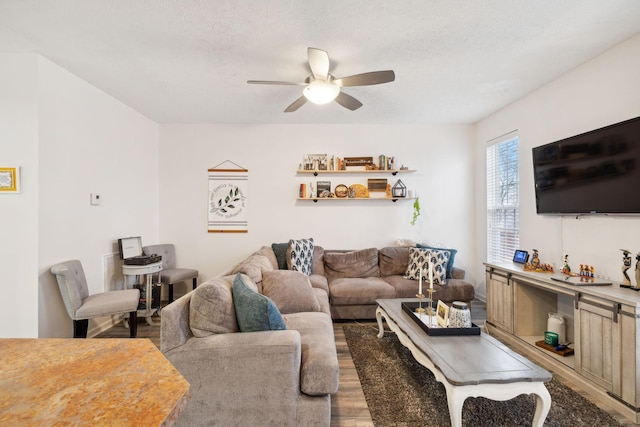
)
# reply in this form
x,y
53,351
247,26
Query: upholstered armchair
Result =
x,y
81,306
170,274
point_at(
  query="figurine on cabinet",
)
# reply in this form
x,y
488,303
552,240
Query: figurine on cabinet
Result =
x,y
535,259
626,264
566,269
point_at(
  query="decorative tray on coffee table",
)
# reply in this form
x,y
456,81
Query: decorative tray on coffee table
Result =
x,y
435,329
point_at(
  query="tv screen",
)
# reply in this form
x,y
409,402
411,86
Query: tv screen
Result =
x,y
594,172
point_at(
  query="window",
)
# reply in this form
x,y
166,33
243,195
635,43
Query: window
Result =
x,y
503,199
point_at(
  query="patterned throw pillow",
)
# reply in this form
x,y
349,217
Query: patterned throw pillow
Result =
x,y
300,255
452,255
419,257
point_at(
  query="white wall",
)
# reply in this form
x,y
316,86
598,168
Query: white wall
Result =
x,y
442,155
70,140
603,91
89,143
19,212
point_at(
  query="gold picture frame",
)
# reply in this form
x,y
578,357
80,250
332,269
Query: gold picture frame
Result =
x,y
442,314
9,179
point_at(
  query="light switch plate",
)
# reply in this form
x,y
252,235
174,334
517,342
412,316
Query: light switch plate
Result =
x,y
95,199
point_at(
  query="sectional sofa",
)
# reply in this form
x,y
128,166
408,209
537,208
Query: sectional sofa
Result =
x,y
280,377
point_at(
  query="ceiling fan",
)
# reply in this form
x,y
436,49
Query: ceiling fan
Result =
x,y
321,87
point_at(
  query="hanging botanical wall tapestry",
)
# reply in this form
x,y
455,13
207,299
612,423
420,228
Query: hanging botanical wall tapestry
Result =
x,y
228,192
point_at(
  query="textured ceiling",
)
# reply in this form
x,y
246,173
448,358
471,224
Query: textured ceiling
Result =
x,y
187,61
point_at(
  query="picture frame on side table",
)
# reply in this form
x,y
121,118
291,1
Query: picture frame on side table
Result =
x,y
9,179
442,314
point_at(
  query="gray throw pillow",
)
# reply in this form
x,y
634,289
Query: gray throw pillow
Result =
x,y
211,309
280,250
254,312
290,291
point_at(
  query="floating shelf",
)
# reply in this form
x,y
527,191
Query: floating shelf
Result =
x,y
337,172
315,199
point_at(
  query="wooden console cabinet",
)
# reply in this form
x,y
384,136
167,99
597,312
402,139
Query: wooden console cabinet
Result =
x,y
602,324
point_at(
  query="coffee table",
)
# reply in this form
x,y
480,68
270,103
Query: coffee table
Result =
x,y
468,366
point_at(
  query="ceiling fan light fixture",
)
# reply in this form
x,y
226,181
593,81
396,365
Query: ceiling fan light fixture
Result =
x,y
320,92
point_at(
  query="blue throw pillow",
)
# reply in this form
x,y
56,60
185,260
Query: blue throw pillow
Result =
x,y
254,311
452,255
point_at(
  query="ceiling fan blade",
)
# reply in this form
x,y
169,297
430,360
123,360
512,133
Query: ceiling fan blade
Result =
x,y
319,63
366,79
268,82
348,101
296,104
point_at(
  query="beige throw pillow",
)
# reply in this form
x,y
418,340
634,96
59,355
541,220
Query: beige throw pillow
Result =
x,y
290,291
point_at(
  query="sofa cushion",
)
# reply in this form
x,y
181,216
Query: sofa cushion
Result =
x,y
317,266
267,251
300,255
254,266
455,289
255,312
350,291
211,309
393,260
280,251
319,282
452,256
290,291
319,372
354,264
419,261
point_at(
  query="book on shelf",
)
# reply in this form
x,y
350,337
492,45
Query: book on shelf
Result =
x,y
358,161
323,186
303,191
377,184
355,168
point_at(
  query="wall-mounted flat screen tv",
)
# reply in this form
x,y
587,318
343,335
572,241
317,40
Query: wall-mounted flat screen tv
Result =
x,y
594,172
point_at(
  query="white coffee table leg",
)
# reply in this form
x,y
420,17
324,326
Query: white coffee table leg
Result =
x,y
379,312
456,395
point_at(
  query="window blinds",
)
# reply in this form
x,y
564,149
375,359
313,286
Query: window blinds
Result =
x,y
503,198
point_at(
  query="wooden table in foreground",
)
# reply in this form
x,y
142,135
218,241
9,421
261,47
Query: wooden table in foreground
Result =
x,y
110,381
468,366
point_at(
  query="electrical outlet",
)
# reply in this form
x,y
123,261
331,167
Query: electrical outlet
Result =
x,y
95,199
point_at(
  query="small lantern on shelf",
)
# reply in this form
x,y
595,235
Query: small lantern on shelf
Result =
x,y
399,189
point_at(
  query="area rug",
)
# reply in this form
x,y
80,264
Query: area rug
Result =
x,y
401,392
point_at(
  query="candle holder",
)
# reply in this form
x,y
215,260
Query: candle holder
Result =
x,y
430,311
419,309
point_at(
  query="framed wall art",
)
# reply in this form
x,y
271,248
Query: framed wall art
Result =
x,y
228,192
9,179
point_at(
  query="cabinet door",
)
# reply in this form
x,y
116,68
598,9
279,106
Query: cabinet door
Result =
x,y
597,349
499,300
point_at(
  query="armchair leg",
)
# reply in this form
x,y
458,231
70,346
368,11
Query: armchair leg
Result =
x,y
195,282
170,293
80,328
133,324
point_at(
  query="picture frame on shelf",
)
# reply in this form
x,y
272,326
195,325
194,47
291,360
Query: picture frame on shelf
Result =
x,y
318,162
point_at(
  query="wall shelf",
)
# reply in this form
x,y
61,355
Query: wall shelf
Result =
x,y
322,199
393,172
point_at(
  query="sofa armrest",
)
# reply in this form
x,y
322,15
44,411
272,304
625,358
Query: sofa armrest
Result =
x,y
457,273
174,326
244,378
